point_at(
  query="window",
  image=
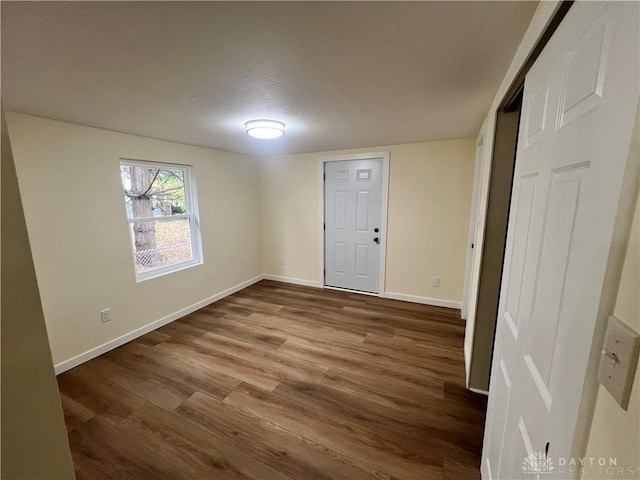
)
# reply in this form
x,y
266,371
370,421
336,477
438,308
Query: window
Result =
x,y
163,223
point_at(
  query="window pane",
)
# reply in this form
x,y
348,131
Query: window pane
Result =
x,y
160,243
152,191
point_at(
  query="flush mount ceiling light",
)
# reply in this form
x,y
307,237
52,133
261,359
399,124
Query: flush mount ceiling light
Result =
x,y
265,129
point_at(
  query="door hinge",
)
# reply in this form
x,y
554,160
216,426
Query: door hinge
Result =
x,y
324,226
324,176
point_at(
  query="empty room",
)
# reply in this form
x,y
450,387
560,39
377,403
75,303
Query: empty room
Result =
x,y
320,240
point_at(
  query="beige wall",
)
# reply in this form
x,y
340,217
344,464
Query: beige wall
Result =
x,y
429,200
615,433
289,210
70,182
251,216
34,439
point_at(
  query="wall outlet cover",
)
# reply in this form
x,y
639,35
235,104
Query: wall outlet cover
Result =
x,y
105,315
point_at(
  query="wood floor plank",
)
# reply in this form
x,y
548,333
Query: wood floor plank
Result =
x,y
419,356
192,449
281,365
101,451
153,338
336,318
99,395
148,387
431,417
229,326
363,446
393,319
309,330
235,367
419,441
294,455
368,361
182,331
281,381
262,306
458,471
227,307
180,375
74,413
390,391
405,345
431,338
431,428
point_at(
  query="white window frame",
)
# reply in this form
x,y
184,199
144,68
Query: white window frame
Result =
x,y
192,215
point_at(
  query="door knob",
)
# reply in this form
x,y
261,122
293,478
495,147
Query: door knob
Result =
x,y
376,239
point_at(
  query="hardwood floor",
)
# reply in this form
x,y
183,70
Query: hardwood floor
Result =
x,y
281,382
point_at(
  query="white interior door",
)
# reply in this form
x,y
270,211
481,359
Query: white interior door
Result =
x,y
580,101
353,227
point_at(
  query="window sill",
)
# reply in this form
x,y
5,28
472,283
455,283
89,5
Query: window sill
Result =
x,y
161,272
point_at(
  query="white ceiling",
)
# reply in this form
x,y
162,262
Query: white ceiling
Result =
x,y
340,75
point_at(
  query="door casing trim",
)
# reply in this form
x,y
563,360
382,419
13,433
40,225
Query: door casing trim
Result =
x,y
385,157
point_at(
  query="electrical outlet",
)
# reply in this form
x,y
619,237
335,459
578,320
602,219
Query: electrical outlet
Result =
x,y
435,282
281,260
105,315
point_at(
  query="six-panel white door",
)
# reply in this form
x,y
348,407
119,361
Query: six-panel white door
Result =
x,y
580,102
353,211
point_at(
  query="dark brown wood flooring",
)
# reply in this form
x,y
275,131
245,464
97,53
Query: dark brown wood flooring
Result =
x,y
281,382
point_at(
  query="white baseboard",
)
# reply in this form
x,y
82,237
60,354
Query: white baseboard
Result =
x,y
110,345
425,300
295,281
482,392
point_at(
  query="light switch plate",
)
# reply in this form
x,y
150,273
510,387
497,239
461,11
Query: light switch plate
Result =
x,y
619,360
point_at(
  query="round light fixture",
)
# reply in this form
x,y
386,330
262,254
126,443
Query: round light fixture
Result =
x,y
265,129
